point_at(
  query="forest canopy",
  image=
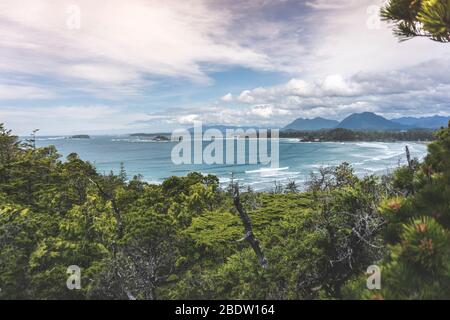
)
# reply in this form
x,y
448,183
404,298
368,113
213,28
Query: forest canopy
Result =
x,y
189,239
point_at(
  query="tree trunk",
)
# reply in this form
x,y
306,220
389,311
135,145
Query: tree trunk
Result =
x,y
249,236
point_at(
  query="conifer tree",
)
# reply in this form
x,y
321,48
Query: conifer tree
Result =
x,y
419,18
418,233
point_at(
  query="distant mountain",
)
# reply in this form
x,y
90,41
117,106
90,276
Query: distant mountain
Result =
x,y
311,124
368,121
434,122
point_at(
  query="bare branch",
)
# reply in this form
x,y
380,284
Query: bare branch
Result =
x,y
249,236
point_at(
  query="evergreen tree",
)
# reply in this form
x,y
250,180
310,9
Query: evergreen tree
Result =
x,y
418,232
419,18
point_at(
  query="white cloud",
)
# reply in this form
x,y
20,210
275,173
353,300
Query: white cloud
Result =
x,y
254,115
106,74
262,111
26,92
227,98
126,43
71,119
336,85
267,112
423,89
332,4
246,97
338,64
188,119
348,42
119,42
332,85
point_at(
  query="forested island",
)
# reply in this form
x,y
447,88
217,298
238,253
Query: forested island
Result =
x,y
151,136
189,239
346,135
80,136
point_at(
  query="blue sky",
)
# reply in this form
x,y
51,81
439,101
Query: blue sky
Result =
x,y
112,66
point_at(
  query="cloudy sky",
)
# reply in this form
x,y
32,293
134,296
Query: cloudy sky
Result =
x,y
114,66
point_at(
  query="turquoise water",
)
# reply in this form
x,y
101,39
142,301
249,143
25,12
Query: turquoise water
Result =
x,y
297,160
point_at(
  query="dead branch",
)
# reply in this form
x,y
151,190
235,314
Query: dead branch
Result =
x,y
246,221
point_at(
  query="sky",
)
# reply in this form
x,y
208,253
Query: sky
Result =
x,y
114,66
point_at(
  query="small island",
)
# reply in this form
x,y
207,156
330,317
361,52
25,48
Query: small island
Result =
x,y
151,137
80,136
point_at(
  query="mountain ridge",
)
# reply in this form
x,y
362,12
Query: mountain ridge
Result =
x,y
432,122
318,123
368,121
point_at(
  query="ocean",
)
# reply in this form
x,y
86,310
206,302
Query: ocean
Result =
x,y
153,161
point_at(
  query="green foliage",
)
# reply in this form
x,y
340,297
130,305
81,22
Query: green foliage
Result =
x,y
340,134
422,246
419,18
417,265
183,239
